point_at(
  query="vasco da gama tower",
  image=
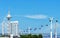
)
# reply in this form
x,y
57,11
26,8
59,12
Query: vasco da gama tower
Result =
x,y
12,26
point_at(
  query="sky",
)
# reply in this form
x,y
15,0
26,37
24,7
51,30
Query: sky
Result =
x,y
31,13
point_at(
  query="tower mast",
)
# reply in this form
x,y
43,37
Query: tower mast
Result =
x,y
8,26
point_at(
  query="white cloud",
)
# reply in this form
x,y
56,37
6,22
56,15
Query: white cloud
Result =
x,y
36,16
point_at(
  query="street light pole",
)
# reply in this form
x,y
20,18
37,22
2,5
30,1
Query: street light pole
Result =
x,y
56,29
51,20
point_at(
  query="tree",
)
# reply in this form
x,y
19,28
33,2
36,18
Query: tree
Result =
x,y
40,36
31,36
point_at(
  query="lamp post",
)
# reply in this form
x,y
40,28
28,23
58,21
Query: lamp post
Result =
x,y
55,32
51,20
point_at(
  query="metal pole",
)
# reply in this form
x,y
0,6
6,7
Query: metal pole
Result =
x,y
51,20
56,29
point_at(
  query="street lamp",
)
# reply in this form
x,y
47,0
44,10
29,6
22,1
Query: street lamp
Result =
x,y
55,32
51,20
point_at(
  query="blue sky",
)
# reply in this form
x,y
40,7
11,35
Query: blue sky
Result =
x,y
31,13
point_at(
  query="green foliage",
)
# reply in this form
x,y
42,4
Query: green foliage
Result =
x,y
34,36
40,36
31,36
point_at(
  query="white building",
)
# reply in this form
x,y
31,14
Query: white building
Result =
x,y
14,28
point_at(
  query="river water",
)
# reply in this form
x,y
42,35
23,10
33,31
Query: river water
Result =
x,y
48,36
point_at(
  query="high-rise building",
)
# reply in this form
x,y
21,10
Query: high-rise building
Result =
x,y
14,28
